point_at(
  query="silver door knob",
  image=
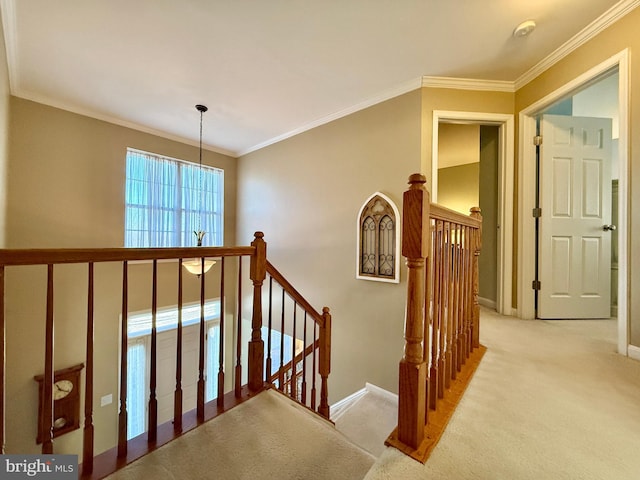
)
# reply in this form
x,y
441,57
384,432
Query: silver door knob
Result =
x,y
607,228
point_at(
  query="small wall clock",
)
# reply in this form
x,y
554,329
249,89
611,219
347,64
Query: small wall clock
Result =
x,y
66,401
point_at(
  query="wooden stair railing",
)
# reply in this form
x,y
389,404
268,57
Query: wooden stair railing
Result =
x,y
309,356
312,361
442,317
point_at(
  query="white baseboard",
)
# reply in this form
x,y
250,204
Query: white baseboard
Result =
x,y
633,352
485,302
341,406
370,387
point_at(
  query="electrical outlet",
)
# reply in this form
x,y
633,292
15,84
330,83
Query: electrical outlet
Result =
x,y
106,400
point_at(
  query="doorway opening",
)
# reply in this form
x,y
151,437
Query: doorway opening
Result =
x,y
527,188
576,203
496,142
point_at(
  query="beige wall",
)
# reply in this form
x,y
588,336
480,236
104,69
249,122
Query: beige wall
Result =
x,y
488,198
458,187
456,100
4,137
305,194
458,144
66,179
621,35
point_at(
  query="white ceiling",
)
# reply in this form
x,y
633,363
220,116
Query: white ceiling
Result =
x,y
267,69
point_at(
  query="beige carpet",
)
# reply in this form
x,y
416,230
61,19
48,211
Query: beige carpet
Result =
x,y
267,437
370,420
550,400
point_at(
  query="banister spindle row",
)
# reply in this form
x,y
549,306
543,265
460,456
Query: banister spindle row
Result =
x,y
296,375
441,316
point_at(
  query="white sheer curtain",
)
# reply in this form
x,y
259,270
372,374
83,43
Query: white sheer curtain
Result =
x,y
167,200
136,387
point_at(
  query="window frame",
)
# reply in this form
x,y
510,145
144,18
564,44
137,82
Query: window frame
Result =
x,y
396,236
179,209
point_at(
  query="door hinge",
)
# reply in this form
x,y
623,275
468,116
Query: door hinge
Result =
x,y
537,212
537,140
536,285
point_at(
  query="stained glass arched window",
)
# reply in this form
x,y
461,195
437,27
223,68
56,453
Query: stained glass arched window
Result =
x,y
378,240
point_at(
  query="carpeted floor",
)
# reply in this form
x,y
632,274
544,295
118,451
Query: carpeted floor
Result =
x,y
550,400
267,437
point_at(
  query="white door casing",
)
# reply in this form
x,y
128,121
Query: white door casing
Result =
x,y
575,199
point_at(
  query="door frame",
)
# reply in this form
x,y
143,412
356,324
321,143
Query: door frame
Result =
x,y
527,188
506,152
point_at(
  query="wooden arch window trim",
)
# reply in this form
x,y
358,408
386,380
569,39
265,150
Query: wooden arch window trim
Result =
x,y
378,240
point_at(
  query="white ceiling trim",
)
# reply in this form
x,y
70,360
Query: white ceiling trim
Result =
x,y
605,20
401,89
123,123
469,84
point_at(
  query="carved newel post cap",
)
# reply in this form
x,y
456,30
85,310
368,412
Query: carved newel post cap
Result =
x,y
259,235
417,178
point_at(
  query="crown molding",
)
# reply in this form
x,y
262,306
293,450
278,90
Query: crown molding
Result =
x,y
468,84
604,21
122,123
401,89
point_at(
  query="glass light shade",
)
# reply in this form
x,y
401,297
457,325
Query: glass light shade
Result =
x,y
195,266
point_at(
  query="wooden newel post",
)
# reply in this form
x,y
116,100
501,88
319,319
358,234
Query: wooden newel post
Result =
x,y
412,398
324,368
477,246
258,272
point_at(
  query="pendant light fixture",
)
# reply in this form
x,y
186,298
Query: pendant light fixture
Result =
x,y
196,266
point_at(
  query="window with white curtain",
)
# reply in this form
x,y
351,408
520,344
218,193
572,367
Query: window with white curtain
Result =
x,y
139,359
166,200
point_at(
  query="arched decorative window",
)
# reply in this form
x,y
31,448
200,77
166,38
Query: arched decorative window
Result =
x,y
378,240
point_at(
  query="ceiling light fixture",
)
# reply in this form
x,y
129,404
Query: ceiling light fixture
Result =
x,y
196,266
524,29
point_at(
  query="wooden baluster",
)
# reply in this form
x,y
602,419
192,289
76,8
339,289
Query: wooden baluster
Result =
x,y
435,332
88,431
238,370
465,299
47,411
325,362
152,434
314,369
202,349
281,369
468,293
448,359
454,299
412,370
122,416
477,247
428,317
303,398
294,383
456,302
268,372
177,394
220,399
442,314
3,350
258,272
460,290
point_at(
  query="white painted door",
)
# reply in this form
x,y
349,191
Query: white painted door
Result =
x,y
574,238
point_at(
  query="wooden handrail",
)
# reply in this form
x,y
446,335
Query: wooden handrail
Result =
x,y
50,256
294,294
438,212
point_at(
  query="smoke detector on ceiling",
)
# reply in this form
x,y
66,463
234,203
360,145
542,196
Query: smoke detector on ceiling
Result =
x,y
524,29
